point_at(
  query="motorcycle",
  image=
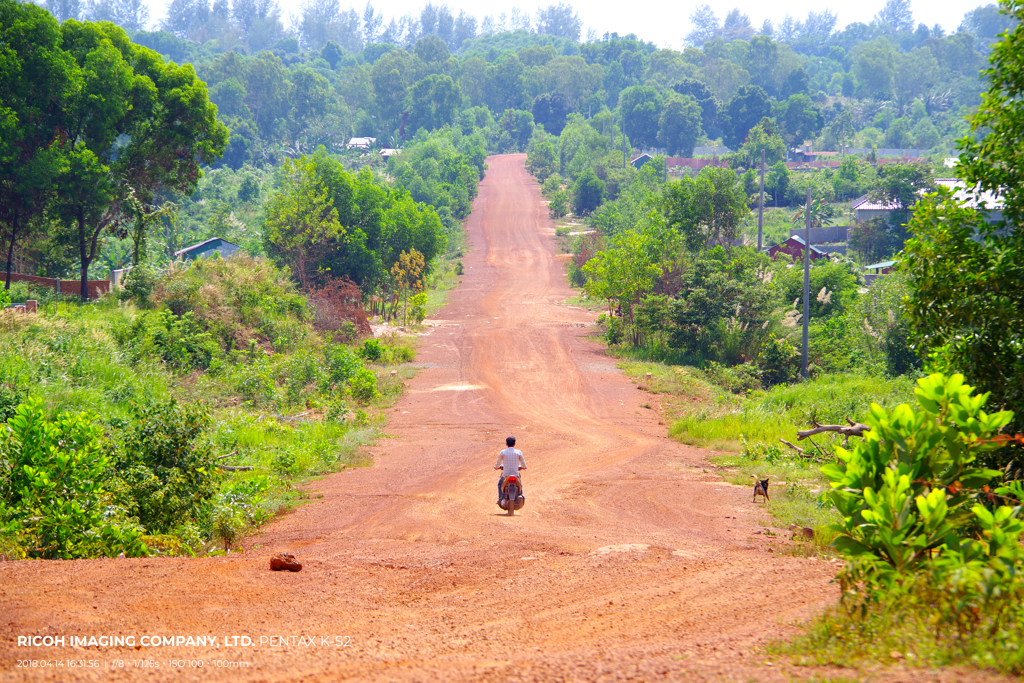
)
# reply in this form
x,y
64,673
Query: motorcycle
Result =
x,y
512,495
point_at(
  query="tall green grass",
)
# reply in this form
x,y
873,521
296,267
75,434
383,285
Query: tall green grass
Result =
x,y
289,411
767,416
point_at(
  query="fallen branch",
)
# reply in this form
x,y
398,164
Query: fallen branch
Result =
x,y
795,448
854,429
222,457
236,468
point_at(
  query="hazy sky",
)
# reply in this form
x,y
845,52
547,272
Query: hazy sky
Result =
x,y
664,23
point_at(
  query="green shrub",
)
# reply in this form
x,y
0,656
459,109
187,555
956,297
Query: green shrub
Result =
x,y
139,283
371,350
165,468
254,383
342,365
51,481
910,488
364,386
739,379
779,362
10,399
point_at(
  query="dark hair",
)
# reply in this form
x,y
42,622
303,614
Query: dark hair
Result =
x,y
510,441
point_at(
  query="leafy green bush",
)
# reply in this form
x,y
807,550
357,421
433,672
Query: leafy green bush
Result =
x,y
371,350
52,484
139,283
10,399
738,379
164,466
910,488
255,384
779,363
364,386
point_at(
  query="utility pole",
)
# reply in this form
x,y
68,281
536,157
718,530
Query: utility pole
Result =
x,y
807,283
760,209
623,140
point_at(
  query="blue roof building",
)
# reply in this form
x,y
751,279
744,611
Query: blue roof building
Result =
x,y
214,245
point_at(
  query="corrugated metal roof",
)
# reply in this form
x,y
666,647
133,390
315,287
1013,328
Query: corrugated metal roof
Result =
x,y
197,247
883,264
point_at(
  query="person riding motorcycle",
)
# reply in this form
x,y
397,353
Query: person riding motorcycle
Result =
x,y
510,461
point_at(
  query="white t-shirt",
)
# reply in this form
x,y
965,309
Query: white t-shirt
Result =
x,y
510,460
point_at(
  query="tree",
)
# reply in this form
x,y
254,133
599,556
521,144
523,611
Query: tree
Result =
x,y
776,180
310,97
504,84
626,271
764,136
736,26
433,102
391,75
897,15
750,105
129,14
641,107
679,126
705,26
541,161
559,20
137,122
550,111
407,278
874,66
915,74
799,118
967,306
820,212
706,210
301,220
38,80
588,193
873,240
705,98
515,130
986,23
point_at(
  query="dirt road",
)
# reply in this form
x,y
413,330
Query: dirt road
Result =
x,y
629,561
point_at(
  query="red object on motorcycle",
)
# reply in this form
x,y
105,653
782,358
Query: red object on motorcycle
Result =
x,y
512,479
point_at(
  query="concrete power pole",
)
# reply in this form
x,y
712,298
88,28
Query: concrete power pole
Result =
x,y
760,209
623,140
807,283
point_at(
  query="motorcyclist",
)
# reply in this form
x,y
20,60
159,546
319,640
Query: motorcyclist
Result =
x,y
510,461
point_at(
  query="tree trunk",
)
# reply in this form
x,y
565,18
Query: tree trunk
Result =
x,y
85,257
10,249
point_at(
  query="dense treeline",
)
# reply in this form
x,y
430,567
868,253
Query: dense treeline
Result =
x,y
449,89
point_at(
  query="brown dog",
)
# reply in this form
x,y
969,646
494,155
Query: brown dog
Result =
x,y
761,489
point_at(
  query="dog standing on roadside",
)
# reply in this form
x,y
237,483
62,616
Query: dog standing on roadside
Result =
x,y
761,489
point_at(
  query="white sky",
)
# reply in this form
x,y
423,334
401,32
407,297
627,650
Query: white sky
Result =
x,y
662,23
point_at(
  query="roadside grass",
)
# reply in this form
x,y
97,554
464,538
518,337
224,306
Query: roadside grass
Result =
x,y
902,629
271,405
444,276
768,416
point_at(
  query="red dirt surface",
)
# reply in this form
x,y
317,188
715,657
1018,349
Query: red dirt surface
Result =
x,y
629,561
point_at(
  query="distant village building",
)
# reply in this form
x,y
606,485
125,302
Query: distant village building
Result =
x,y
883,268
641,160
388,152
865,209
794,248
214,245
361,143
